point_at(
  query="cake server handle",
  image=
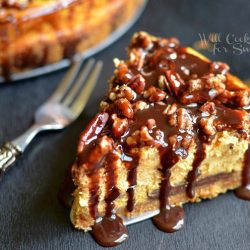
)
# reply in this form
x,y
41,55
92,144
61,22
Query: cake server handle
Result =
x,y
8,155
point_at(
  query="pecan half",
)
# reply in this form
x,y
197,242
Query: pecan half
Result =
x,y
119,125
208,109
125,107
175,81
207,125
219,68
137,83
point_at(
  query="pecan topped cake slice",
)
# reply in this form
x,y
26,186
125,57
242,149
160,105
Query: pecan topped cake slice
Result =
x,y
174,128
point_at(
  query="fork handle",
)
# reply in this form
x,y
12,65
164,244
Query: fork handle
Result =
x,y
9,152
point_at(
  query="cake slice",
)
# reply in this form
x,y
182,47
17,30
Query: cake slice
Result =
x,y
174,128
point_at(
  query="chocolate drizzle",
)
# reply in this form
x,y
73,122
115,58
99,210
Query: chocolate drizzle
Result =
x,y
200,155
170,218
109,230
112,192
166,98
131,163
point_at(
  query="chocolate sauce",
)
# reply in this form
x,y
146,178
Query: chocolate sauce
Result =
x,y
243,192
131,163
170,219
178,115
200,155
109,231
112,192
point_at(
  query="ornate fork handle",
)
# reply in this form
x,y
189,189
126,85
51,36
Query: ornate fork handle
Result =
x,y
8,155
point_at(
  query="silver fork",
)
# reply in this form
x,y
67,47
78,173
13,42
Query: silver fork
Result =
x,y
60,110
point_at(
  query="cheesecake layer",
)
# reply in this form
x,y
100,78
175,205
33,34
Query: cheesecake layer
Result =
x,y
208,188
225,155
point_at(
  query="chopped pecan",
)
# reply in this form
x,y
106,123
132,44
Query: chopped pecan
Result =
x,y
154,94
242,98
126,92
136,58
185,70
175,81
208,108
119,125
170,109
116,62
207,125
125,107
137,83
216,82
145,136
219,68
172,42
104,106
134,139
122,74
172,120
184,119
141,40
94,128
162,80
194,85
226,96
186,141
112,96
139,105
163,83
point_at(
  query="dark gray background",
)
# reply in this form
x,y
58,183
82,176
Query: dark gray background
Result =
x,y
30,215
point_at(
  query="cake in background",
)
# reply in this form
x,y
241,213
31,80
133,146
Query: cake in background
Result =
x,y
35,33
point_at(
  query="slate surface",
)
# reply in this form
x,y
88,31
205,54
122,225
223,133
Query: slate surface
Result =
x,y
30,215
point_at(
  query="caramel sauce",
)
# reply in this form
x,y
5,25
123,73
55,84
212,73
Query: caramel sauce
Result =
x,y
169,133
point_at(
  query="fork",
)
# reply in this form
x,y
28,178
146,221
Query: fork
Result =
x,y
60,110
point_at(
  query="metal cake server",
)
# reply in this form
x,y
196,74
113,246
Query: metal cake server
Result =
x,y
60,110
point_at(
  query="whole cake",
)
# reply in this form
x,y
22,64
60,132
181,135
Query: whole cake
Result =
x,y
34,33
174,128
